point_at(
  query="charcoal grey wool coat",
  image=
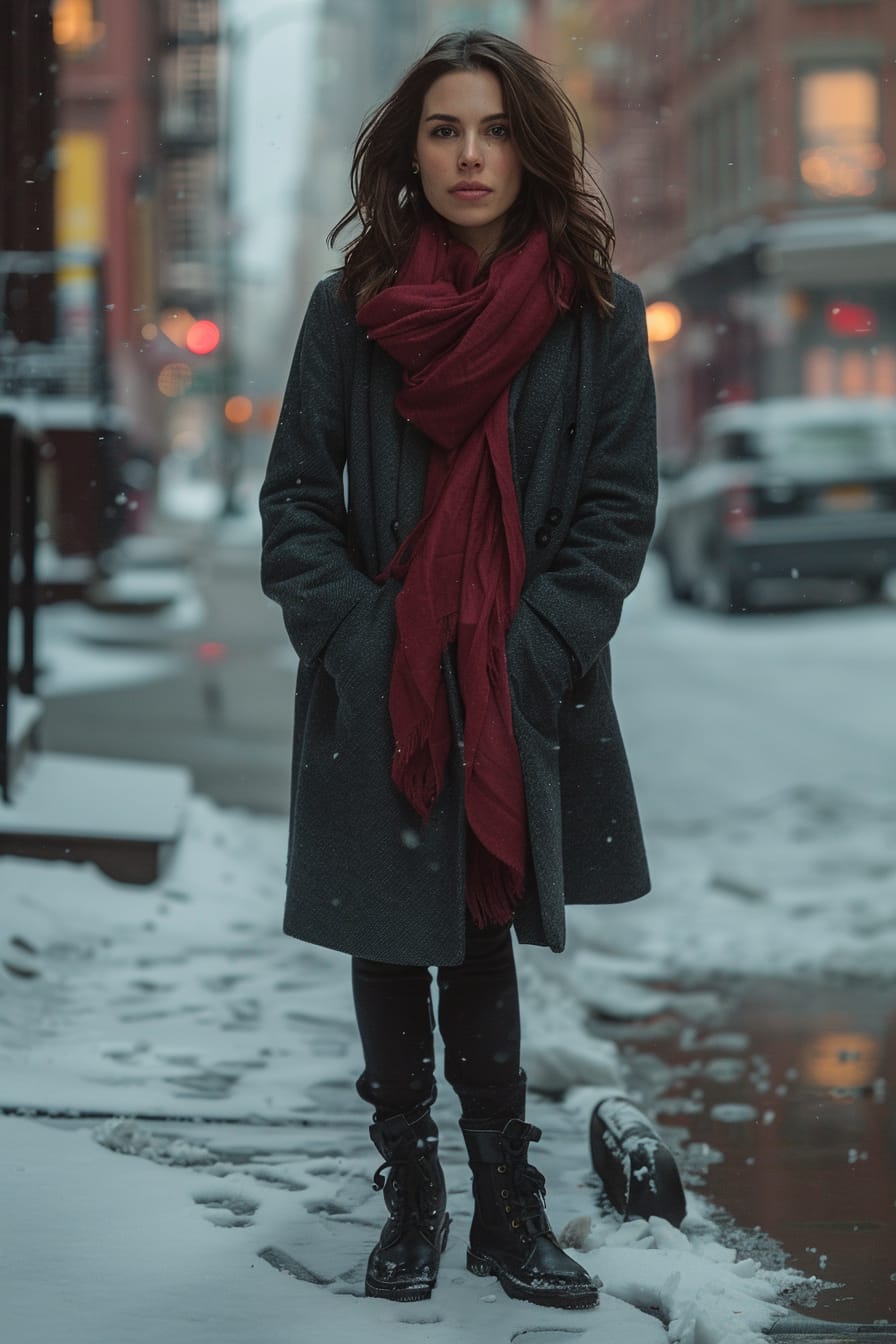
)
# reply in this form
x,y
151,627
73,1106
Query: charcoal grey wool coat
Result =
x,y
344,486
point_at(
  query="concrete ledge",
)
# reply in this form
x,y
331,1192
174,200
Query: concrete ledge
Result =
x,y
124,816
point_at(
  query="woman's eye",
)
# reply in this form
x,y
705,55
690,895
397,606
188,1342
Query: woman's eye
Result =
x,y
448,132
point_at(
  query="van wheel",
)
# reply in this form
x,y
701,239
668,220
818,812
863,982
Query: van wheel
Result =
x,y
722,591
679,590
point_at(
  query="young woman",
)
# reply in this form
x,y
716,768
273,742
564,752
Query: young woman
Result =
x,y
458,771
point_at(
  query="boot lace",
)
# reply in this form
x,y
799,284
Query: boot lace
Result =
x,y
526,1197
411,1182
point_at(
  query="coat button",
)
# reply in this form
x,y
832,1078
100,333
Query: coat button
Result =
x,y
395,527
542,536
571,430
553,517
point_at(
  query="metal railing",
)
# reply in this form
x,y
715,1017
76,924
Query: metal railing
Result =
x,y
19,449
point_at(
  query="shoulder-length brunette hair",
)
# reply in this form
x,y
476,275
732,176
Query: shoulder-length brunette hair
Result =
x,y
558,191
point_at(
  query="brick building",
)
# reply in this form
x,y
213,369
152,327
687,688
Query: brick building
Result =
x,y
106,157
109,237
748,149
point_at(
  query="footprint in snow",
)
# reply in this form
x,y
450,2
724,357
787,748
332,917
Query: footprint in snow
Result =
x,y
324,1166
328,1206
219,984
227,1210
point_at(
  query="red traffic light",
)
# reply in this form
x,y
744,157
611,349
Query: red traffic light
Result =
x,y
203,337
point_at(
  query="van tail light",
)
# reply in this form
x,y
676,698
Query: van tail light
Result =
x,y
738,510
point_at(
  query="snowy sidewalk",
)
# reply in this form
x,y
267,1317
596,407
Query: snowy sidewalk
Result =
x,y
213,1180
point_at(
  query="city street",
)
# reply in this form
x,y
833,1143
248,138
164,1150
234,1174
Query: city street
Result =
x,y
716,713
227,717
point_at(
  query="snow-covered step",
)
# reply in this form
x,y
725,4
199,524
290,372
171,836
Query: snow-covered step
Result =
x,y
136,591
124,816
61,578
150,550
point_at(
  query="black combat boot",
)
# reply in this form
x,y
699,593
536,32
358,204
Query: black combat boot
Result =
x,y
510,1236
404,1264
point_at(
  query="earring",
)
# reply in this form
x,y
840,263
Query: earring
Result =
x,y
415,168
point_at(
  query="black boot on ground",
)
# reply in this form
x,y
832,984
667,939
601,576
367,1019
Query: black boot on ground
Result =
x,y
510,1236
404,1264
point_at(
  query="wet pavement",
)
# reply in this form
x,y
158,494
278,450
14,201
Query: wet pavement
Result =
x,y
775,1099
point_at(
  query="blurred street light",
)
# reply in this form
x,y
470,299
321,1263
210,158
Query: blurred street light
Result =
x,y
663,321
238,410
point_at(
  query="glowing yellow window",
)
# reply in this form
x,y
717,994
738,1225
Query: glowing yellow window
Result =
x,y
841,154
75,27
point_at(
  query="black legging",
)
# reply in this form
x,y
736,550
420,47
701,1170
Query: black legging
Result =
x,y
479,1021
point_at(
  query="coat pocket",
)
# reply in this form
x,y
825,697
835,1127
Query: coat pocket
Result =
x,y
358,656
539,670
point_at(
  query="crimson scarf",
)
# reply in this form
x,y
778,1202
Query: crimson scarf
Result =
x,y
460,342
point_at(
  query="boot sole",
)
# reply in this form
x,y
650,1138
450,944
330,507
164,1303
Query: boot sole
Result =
x,y
572,1299
407,1292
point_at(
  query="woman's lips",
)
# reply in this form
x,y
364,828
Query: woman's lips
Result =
x,y
471,193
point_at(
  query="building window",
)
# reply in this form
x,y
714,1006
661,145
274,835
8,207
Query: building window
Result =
x,y
725,157
715,19
838,118
747,144
830,371
190,76
190,188
191,18
75,26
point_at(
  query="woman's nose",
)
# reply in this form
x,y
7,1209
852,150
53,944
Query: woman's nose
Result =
x,y
470,154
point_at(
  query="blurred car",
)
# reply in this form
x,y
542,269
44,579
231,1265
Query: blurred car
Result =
x,y
791,487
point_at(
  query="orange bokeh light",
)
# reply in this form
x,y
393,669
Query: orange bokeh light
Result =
x,y
175,323
663,321
238,410
841,1059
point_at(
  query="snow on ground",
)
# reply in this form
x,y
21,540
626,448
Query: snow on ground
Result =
x,y
212,1180
217,1059
721,714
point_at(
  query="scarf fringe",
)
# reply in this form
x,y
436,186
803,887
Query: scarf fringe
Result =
x,y
493,890
414,771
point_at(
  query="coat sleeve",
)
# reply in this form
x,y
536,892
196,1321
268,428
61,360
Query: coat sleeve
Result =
x,y
305,564
580,597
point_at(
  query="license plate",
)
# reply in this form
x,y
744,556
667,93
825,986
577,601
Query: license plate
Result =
x,y
848,498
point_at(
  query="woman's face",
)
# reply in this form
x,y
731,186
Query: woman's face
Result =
x,y
470,171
